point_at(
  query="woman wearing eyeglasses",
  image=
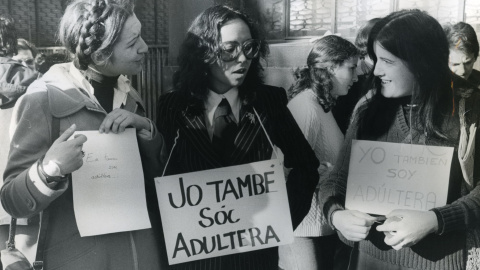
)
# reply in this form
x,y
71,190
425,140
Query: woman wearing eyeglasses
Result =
x,y
219,69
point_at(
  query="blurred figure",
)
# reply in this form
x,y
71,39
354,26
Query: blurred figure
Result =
x,y
26,53
345,104
463,44
44,62
14,80
330,72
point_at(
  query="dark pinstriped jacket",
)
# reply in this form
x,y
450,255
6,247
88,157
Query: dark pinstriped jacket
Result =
x,y
194,152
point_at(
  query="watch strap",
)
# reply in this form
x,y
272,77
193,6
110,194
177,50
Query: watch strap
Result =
x,y
48,178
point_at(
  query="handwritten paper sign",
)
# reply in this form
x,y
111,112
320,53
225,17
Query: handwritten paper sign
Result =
x,y
387,176
108,190
224,211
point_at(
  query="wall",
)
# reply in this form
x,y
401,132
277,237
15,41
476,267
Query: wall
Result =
x,y
37,20
284,57
278,68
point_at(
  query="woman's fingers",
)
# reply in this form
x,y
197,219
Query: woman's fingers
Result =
x,y
118,120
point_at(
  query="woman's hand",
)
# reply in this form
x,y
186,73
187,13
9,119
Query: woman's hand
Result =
x,y
409,227
67,154
117,120
354,225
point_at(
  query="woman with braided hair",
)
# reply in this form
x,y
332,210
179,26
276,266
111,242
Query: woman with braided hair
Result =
x,y
89,94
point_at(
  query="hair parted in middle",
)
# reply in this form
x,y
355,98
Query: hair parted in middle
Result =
x,y
90,28
419,41
327,53
200,47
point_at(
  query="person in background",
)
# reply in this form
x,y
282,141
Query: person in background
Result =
x,y
90,93
219,70
329,74
14,80
26,53
413,103
463,44
345,105
44,62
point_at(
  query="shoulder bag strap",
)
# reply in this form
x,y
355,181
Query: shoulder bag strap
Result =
x,y
44,217
11,234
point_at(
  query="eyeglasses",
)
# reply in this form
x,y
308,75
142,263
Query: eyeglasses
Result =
x,y
229,51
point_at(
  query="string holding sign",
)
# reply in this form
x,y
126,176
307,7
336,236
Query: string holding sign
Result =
x,y
224,211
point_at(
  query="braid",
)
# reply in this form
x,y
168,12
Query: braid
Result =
x,y
91,33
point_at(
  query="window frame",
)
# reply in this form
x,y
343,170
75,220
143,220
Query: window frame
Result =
x,y
394,6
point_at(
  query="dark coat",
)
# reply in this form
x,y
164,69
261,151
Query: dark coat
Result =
x,y
194,151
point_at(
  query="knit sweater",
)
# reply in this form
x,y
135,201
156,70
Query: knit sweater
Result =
x,y
443,250
325,138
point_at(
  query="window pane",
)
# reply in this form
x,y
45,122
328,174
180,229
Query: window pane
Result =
x,y
442,10
472,12
352,14
309,17
272,14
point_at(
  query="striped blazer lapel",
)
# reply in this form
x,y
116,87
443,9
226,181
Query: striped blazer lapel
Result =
x,y
195,130
249,129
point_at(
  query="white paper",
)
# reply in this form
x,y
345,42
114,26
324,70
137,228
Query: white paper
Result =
x,y
109,190
386,176
201,207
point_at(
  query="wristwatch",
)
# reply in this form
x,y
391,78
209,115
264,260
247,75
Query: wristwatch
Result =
x,y
50,171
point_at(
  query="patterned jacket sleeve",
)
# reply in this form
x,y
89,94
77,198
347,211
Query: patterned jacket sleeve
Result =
x,y
333,189
298,155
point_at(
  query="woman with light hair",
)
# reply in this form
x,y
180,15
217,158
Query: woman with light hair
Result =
x,y
90,93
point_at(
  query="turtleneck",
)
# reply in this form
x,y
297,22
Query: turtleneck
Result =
x,y
103,86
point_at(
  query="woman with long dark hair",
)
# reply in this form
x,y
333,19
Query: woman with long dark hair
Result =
x,y
220,71
416,101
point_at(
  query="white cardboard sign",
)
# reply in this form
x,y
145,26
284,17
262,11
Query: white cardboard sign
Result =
x,y
224,211
386,176
109,189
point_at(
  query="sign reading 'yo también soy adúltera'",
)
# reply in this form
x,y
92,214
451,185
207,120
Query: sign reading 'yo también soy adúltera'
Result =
x,y
386,176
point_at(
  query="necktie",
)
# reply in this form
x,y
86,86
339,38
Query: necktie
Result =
x,y
224,129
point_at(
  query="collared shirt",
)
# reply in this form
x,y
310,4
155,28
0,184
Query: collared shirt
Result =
x,y
212,102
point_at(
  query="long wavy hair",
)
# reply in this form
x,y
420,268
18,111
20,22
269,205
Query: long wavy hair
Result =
x,y
90,28
199,50
418,39
327,53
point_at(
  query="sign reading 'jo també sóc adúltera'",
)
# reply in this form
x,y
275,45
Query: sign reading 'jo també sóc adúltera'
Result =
x,y
224,211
